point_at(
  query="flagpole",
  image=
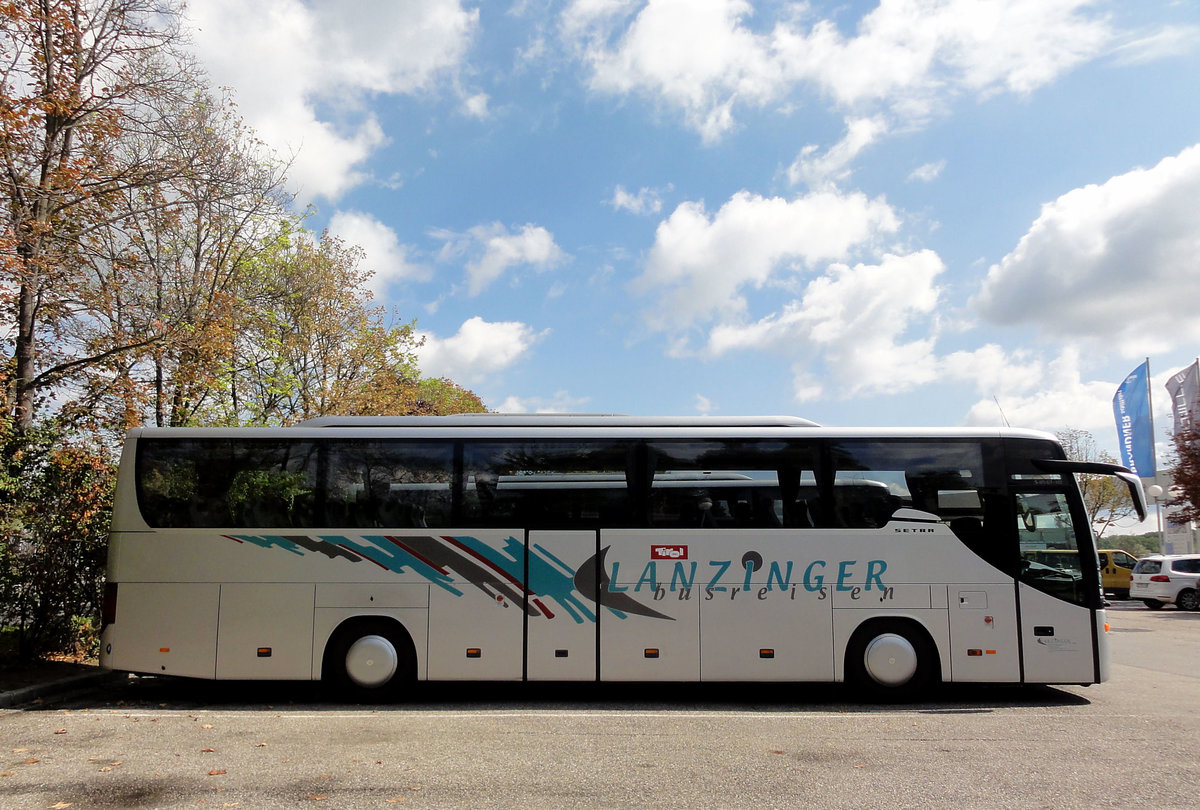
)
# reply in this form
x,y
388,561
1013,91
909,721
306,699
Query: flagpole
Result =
x,y
1150,409
1162,540
1153,456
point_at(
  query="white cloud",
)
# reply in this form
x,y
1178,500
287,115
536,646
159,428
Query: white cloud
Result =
x,y
700,265
561,402
911,56
1051,398
928,172
493,250
383,252
853,321
478,350
695,54
646,201
476,106
1114,262
994,372
701,58
1168,41
302,70
819,170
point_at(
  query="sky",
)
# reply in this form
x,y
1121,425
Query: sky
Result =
x,y
896,213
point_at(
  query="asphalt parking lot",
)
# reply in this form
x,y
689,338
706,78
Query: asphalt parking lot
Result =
x,y
1131,742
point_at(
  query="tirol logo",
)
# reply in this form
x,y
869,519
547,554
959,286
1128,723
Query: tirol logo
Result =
x,y
668,552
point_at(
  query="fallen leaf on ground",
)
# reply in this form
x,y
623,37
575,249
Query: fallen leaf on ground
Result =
x,y
216,773
61,731
206,725
316,797
208,750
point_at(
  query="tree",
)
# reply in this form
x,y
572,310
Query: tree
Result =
x,y
55,512
187,268
1106,500
312,343
1186,475
82,80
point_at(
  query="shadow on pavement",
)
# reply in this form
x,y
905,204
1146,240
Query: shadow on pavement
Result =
x,y
187,694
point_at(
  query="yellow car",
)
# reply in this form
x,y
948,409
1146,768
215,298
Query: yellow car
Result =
x,y
1116,568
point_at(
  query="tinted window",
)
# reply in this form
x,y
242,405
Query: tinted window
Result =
x,y
1190,566
548,484
872,479
1050,547
388,484
732,484
1124,560
226,482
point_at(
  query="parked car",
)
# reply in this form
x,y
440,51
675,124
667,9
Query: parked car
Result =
x,y
1161,579
1116,570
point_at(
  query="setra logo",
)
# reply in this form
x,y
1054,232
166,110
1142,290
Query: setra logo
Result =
x,y
668,552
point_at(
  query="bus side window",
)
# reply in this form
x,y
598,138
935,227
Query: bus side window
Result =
x,y
385,484
731,484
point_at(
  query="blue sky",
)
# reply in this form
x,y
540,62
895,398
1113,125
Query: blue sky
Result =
x,y
864,213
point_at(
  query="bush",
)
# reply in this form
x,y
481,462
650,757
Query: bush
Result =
x,y
55,512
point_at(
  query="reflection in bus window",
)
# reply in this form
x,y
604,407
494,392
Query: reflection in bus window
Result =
x,y
547,484
256,483
382,484
1049,546
732,484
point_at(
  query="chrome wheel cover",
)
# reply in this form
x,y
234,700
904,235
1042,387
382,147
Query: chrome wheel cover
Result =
x,y
371,661
890,659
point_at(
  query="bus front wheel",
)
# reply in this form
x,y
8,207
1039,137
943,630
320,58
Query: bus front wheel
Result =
x,y
891,660
370,660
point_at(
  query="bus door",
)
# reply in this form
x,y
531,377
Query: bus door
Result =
x,y
1057,587
561,627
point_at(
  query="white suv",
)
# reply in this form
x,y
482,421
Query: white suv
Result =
x,y
1164,578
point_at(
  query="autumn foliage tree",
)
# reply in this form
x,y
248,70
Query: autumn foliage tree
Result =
x,y
1106,500
82,81
1186,476
309,341
152,270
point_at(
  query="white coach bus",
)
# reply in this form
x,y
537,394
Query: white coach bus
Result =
x,y
375,552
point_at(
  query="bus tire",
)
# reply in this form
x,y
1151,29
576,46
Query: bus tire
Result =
x,y
892,660
370,660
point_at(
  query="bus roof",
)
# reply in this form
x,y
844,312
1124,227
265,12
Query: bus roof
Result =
x,y
564,426
555,420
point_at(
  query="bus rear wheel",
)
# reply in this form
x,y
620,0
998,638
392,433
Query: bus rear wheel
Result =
x,y
369,661
891,660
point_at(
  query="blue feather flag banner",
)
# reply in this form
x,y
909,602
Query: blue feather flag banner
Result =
x,y
1135,428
